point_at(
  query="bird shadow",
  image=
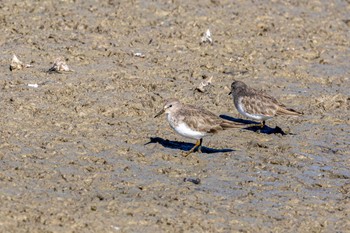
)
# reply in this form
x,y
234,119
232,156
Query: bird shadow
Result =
x,y
265,130
184,146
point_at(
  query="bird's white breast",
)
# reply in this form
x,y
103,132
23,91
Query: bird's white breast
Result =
x,y
184,130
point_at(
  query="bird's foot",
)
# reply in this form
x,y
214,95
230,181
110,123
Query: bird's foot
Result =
x,y
185,154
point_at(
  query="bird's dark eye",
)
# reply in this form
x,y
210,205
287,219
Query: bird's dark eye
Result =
x,y
170,105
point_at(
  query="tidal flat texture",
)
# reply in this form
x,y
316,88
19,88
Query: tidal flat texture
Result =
x,y
81,151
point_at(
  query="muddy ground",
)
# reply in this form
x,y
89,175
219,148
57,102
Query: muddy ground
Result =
x,y
82,152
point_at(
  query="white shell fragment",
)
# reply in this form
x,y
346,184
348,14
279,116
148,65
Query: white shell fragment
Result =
x,y
34,85
59,66
16,64
203,84
138,54
206,38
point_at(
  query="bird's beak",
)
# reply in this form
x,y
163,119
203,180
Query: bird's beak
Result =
x,y
159,113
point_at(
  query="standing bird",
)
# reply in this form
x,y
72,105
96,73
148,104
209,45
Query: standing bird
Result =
x,y
256,104
194,122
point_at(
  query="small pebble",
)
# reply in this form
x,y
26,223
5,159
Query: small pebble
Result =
x,y
138,54
193,180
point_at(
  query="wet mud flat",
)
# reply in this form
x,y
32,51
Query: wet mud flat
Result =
x,y
82,152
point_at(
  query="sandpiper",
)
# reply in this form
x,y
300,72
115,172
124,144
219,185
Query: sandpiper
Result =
x,y
256,104
194,122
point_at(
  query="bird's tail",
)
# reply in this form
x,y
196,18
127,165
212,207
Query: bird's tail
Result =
x,y
288,111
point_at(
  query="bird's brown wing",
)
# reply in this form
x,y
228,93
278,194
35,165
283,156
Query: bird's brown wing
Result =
x,y
201,119
261,104
204,120
258,102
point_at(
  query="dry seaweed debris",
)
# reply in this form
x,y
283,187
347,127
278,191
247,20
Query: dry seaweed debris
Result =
x,y
59,66
203,84
206,38
16,64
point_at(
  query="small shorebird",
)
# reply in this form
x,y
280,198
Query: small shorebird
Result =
x,y
256,104
194,122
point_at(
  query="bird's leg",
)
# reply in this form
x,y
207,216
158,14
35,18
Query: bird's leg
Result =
x,y
261,125
200,146
198,143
